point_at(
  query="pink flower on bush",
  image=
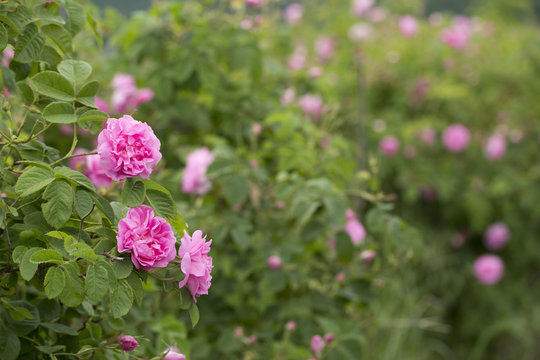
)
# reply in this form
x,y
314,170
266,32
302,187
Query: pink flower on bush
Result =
x,y
296,61
290,326
194,180
7,55
95,172
196,264
101,104
256,128
254,3
126,96
340,277
368,256
361,7
496,236
293,13
359,32
328,338
127,343
77,163
274,262
428,136
325,47
312,106
408,26
315,71
389,145
149,238
456,138
495,147
317,344
457,36
488,269
173,353
128,148
354,228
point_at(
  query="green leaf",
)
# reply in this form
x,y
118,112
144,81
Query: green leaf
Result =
x,y
50,56
97,282
235,189
60,113
162,203
46,256
54,85
29,45
344,247
194,314
10,346
27,268
133,192
49,349
88,93
30,321
86,253
83,203
121,300
59,36
136,285
93,116
75,176
93,26
54,282
122,268
18,253
76,71
32,180
26,91
60,328
73,293
76,17
104,206
68,239
3,37
178,223
57,210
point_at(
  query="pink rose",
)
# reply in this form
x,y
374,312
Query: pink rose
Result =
x,y
194,180
274,262
77,163
495,147
95,172
123,81
389,145
361,7
317,344
101,104
354,228
496,236
127,343
488,269
126,96
173,353
408,26
128,148
293,13
457,36
312,106
196,264
142,96
368,256
325,47
149,238
456,138
254,3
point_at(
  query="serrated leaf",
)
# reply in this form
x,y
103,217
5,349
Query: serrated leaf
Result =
x,y
10,345
104,206
26,91
136,285
60,328
49,349
27,268
87,254
57,210
122,268
87,95
76,17
29,44
133,192
161,202
76,71
59,36
54,85
121,300
97,282
46,256
18,253
54,282
178,223
73,292
75,176
32,180
60,113
83,203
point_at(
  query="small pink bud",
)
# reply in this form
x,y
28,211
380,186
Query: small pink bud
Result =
x,y
127,342
291,326
389,145
340,277
274,262
238,332
317,344
328,338
368,256
252,339
256,128
488,269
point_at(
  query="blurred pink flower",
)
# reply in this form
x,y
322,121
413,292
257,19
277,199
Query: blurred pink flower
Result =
x,y
312,106
126,96
101,104
296,61
428,136
288,96
194,179
7,55
173,353
409,151
331,243
315,71
317,344
149,238
361,31
254,163
256,128
325,47
340,277
238,332
95,172
377,15
291,325
488,269
196,264
354,228
328,338
77,163
457,36
280,204
66,129
408,26
389,145
361,7
496,236
293,13
252,340
456,138
325,143
254,3
495,147
368,256
128,148
246,24
127,342
274,262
